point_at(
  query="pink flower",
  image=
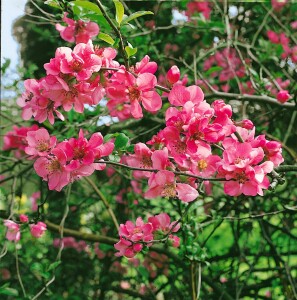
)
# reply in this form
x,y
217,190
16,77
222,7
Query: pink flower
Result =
x,y
125,88
40,143
179,94
146,66
77,31
130,236
173,75
13,230
283,96
37,230
278,4
273,37
162,222
24,219
163,184
52,169
16,139
141,159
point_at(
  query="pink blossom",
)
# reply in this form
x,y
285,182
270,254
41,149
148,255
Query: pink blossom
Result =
x,y
77,31
130,236
127,89
200,6
163,184
13,230
173,75
16,139
24,219
146,66
141,159
39,142
179,94
37,230
278,4
283,96
273,37
53,169
162,222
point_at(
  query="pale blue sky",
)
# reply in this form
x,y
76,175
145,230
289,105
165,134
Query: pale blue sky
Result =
x,y
10,10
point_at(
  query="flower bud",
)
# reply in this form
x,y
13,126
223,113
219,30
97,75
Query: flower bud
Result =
x,y
173,75
283,96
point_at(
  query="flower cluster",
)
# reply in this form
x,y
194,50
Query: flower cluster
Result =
x,y
64,162
282,39
193,130
14,229
127,91
16,139
134,236
230,63
73,80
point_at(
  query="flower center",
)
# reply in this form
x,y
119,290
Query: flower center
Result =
x,y
78,153
146,162
53,166
202,164
241,177
180,147
169,190
134,93
42,145
76,66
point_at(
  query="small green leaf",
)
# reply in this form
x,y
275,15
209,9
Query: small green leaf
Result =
x,y
108,137
52,3
136,15
5,290
106,38
119,11
53,265
121,141
213,69
88,5
130,51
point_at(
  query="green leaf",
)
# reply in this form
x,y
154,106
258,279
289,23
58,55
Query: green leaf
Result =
x,y
5,290
137,15
106,38
213,69
88,5
119,11
52,3
121,141
130,51
53,265
108,137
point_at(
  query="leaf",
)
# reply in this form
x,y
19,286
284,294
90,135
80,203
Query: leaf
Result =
x,y
106,38
108,137
5,290
52,3
213,69
130,51
119,11
121,141
137,15
53,265
88,5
